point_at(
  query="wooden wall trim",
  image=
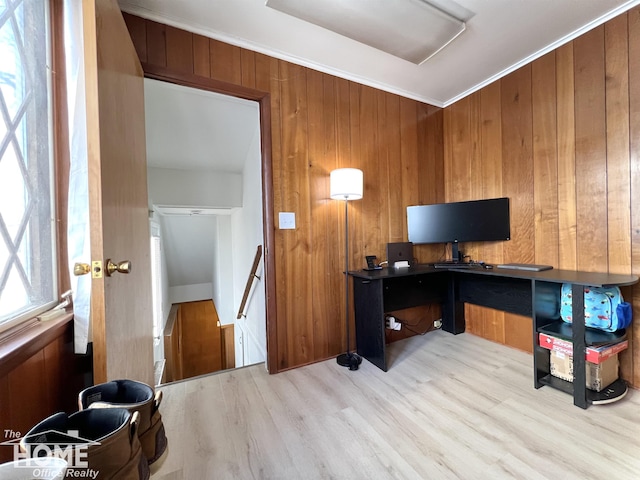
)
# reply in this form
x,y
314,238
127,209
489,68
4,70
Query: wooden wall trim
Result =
x,y
203,83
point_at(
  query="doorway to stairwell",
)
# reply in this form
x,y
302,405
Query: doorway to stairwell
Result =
x,y
206,203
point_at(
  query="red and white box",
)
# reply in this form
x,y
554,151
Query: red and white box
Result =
x,y
592,354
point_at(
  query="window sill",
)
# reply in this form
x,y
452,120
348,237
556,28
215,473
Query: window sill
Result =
x,y
18,348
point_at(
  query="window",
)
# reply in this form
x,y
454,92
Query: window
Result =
x,y
27,221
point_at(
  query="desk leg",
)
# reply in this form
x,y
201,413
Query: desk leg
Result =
x,y
578,329
369,310
453,320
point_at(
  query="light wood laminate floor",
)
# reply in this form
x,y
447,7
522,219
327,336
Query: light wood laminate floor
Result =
x,y
450,407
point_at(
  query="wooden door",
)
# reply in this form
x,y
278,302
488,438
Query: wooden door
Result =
x,y
121,306
200,338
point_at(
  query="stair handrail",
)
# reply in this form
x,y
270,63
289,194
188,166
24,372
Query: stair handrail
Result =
x,y
252,275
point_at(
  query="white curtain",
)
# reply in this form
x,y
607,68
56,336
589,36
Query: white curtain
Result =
x,y
78,210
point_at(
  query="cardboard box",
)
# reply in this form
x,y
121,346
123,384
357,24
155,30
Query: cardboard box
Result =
x,y
592,354
599,375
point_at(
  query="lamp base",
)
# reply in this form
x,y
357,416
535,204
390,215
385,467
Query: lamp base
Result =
x,y
349,359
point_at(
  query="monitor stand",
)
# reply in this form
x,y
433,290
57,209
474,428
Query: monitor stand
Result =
x,y
455,253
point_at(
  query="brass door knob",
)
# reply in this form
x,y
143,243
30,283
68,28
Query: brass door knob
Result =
x,y
121,267
81,269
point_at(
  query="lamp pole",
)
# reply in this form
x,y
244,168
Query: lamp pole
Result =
x,y
346,183
346,269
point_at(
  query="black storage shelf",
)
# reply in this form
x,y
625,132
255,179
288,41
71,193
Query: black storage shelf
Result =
x,y
580,336
592,337
557,383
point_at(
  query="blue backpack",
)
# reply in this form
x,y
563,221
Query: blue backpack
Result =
x,y
604,308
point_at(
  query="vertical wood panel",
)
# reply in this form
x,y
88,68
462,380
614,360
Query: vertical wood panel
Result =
x,y
201,56
370,206
475,186
591,163
25,408
391,173
355,161
457,164
225,62
492,326
431,188
517,167
343,159
380,175
490,173
296,198
617,141
179,50
566,148
53,357
334,281
156,44
431,185
408,157
248,68
472,190
517,175
545,164
323,231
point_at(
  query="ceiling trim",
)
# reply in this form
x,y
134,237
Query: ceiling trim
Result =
x,y
549,48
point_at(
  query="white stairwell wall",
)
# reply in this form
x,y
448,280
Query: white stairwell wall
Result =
x,y
247,234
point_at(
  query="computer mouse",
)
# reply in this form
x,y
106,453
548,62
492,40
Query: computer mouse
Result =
x,y
488,267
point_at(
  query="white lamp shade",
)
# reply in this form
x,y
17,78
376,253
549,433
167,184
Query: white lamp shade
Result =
x,y
346,184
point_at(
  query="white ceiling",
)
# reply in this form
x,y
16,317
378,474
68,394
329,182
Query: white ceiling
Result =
x,y
500,36
192,129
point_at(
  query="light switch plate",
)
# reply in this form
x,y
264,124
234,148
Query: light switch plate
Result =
x,y
287,220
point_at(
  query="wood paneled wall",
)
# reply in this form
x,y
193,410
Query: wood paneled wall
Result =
x,y
44,378
561,138
318,123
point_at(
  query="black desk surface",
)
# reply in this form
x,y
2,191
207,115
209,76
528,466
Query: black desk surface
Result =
x,y
592,279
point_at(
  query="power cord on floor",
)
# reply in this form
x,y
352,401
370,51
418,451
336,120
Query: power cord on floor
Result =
x,y
408,326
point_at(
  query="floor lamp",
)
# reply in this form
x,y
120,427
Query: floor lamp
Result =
x,y
346,184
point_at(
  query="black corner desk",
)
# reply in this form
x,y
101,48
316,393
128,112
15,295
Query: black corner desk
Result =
x,y
514,291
